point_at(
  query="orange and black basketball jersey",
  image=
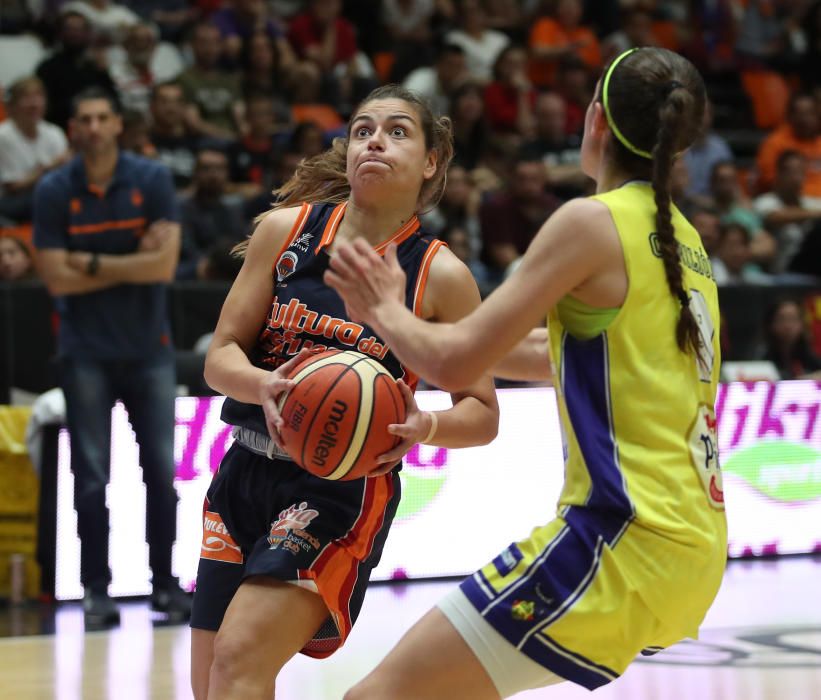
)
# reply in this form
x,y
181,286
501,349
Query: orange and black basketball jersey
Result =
x,y
306,313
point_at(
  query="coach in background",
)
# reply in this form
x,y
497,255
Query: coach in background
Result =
x,y
107,234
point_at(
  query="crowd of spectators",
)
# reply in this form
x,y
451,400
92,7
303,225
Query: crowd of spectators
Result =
x,y
231,95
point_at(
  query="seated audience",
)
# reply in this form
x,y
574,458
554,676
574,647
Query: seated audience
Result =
x,y
209,215
29,148
786,343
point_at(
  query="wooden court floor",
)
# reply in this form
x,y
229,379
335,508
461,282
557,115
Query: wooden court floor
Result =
x,y
760,641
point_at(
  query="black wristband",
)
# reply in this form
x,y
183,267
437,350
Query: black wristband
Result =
x,y
93,264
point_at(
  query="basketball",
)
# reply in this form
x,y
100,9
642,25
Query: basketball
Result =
x,y
337,415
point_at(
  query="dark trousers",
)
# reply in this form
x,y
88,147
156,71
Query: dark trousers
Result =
x,y
147,389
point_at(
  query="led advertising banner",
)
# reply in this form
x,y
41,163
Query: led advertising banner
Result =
x,y
459,508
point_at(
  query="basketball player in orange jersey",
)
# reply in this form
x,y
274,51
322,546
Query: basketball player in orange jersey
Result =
x,y
636,552
286,556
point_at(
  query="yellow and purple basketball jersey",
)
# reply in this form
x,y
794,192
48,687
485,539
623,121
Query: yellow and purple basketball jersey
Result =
x,y
637,551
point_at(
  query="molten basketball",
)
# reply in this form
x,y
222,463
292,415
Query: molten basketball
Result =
x,y
337,415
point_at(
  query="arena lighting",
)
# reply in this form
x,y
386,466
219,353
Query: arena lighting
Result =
x,y
461,507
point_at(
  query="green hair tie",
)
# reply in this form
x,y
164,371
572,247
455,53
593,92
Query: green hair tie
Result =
x,y
610,122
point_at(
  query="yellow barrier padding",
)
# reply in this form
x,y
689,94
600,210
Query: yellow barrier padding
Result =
x,y
19,498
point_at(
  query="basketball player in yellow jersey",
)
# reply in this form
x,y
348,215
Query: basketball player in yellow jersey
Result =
x,y
636,552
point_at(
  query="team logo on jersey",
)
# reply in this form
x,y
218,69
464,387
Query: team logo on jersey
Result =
x,y
289,531
217,543
704,453
286,265
301,243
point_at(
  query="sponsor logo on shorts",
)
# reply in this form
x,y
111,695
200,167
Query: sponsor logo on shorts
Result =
x,y
286,265
217,543
523,610
289,531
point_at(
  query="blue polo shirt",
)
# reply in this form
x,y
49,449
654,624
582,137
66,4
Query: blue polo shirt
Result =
x,y
127,321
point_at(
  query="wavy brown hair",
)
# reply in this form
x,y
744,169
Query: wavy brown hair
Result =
x,y
657,100
323,178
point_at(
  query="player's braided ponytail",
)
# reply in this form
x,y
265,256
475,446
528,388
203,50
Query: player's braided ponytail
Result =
x,y
654,102
673,111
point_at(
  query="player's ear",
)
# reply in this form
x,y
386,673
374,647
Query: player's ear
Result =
x,y
430,164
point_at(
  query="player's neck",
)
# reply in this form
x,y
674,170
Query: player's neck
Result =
x,y
100,166
375,224
611,178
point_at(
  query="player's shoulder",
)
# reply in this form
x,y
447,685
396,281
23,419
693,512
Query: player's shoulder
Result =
x,y
147,170
275,228
447,273
60,181
583,219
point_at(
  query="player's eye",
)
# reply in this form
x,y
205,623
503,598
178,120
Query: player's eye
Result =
x,y
398,131
363,131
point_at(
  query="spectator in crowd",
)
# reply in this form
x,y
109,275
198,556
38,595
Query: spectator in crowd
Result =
x,y
175,146
733,206
712,26
510,219
460,244
437,83
679,184
733,261
510,17
285,165
209,215
705,220
788,213
109,21
307,139
458,207
323,37
636,30
70,69
509,97
481,45
133,77
262,72
762,34
17,16
252,158
700,159
801,133
172,17
15,260
470,129
786,343
214,105
559,151
560,36
810,57
134,137
240,20
29,147
107,240
573,83
408,26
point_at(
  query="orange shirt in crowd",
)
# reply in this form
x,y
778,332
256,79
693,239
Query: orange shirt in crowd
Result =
x,y
549,33
783,139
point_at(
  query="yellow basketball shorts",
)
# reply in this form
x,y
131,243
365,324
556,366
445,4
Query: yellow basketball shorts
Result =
x,y
564,597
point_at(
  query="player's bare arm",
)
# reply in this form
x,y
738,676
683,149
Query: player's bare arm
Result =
x,y
227,367
528,361
573,246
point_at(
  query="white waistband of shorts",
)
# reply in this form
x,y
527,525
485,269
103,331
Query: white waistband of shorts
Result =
x,y
258,443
